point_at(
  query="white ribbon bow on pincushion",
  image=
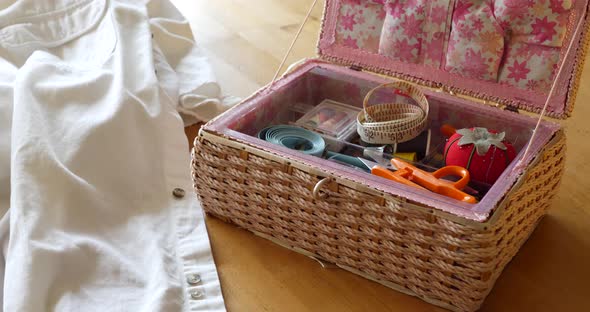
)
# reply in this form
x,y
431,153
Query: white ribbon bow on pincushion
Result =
x,y
482,139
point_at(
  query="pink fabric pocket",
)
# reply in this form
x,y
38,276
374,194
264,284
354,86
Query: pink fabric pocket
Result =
x,y
360,23
529,66
537,30
476,43
414,31
515,42
541,22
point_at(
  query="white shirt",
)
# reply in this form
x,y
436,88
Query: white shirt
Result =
x,y
91,149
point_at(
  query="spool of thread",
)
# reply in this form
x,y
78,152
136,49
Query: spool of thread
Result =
x,y
407,156
420,146
294,138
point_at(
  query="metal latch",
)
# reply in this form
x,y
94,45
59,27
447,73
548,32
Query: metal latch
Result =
x,y
511,108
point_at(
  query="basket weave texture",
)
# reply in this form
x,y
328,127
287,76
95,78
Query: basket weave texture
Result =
x,y
442,260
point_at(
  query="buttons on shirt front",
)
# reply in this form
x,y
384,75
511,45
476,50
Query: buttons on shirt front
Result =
x,y
178,192
193,279
196,294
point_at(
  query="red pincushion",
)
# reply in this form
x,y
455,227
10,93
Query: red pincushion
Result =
x,y
485,168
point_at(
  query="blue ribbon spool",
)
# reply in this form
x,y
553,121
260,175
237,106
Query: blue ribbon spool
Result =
x,y
295,138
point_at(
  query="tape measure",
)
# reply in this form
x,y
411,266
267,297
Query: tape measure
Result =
x,y
295,138
390,123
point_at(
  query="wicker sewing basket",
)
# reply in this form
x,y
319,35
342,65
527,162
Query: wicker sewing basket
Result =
x,y
444,259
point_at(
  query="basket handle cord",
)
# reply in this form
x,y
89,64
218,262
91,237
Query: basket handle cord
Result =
x,y
521,163
293,42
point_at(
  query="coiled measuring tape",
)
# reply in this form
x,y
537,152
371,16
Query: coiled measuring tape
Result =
x,y
295,138
390,123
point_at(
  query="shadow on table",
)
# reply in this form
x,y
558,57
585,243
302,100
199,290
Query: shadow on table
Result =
x,y
550,273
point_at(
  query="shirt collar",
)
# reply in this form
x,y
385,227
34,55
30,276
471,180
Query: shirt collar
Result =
x,y
47,23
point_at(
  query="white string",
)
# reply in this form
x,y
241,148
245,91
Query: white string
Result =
x,y
521,164
293,42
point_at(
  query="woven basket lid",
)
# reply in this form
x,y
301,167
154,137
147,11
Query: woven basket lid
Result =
x,y
504,52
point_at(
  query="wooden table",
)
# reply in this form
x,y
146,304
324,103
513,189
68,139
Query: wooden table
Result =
x,y
245,41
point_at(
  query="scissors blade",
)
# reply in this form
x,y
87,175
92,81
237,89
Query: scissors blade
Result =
x,y
376,153
369,164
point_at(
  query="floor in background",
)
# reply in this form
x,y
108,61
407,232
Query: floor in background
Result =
x,y
245,41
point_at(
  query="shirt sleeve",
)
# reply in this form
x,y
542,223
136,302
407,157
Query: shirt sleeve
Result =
x,y
182,68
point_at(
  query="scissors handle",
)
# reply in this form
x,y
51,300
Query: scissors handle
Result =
x,y
395,176
432,182
454,171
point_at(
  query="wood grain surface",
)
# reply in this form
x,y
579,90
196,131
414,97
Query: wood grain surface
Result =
x,y
245,41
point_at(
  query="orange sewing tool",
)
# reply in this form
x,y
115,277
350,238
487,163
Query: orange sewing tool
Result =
x,y
410,175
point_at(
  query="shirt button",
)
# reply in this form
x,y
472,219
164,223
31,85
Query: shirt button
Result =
x,y
196,294
178,192
193,279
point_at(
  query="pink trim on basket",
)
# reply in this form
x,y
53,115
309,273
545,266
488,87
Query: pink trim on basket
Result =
x,y
524,98
478,212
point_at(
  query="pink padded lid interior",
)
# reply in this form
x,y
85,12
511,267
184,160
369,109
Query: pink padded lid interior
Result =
x,y
506,51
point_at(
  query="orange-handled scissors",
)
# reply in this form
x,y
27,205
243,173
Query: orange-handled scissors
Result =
x,y
433,181
410,175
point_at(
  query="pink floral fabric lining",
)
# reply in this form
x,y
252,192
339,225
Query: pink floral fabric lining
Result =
x,y
476,43
360,24
414,31
529,66
513,42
